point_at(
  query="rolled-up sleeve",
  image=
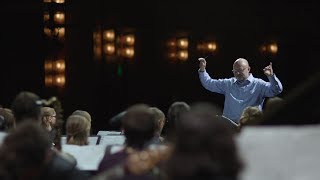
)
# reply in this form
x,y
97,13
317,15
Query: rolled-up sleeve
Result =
x,y
273,87
213,85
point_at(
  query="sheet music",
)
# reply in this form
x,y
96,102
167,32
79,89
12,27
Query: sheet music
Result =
x,y
88,157
106,133
281,153
112,140
234,123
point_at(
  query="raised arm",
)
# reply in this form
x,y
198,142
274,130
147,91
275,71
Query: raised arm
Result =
x,y
213,85
274,87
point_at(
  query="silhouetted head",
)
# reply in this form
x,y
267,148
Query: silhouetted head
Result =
x,y
139,125
26,106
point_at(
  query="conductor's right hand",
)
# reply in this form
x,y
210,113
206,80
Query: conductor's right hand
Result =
x,y
202,64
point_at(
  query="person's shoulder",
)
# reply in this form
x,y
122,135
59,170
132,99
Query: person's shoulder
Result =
x,y
60,163
230,80
62,168
257,80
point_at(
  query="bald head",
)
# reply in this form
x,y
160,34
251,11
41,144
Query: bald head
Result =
x,y
241,69
241,62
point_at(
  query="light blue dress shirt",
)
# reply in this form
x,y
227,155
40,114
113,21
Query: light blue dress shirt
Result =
x,y
238,96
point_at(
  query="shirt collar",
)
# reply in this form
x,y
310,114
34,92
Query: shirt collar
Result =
x,y
250,79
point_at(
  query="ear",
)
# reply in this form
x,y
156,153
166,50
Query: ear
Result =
x,y
249,68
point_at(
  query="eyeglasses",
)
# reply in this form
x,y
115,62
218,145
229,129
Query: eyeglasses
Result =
x,y
237,71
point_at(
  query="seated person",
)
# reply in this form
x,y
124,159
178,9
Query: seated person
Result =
x,y
77,130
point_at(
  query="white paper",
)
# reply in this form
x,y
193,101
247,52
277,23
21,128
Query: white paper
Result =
x,y
112,140
2,136
106,133
88,157
280,153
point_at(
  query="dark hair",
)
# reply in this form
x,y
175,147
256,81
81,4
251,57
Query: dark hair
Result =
x,y
139,125
204,147
115,121
26,147
174,113
299,107
26,105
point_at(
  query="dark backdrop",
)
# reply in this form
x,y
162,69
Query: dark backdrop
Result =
x,y
94,86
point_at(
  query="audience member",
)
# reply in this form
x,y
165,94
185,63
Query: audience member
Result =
x,y
204,147
175,111
86,115
26,154
7,120
139,127
77,130
160,119
251,115
27,106
48,121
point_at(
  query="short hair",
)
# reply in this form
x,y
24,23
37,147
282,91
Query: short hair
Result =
x,y
8,120
47,111
205,147
139,125
175,111
159,117
251,115
26,105
24,148
273,104
115,121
